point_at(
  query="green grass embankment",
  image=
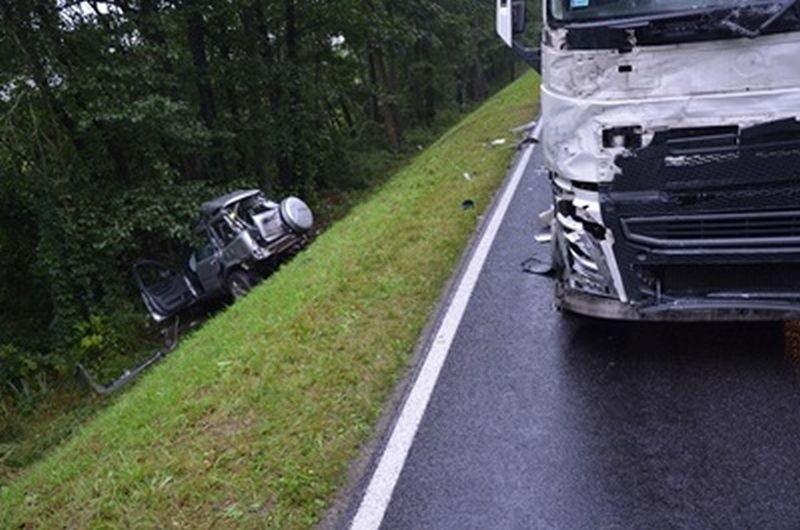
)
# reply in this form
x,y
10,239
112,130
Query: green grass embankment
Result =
x,y
253,421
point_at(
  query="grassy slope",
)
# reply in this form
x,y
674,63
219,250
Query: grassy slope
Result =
x,y
253,421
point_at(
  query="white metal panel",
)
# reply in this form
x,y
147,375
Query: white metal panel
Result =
x,y
505,21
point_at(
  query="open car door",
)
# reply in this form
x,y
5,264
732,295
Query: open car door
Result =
x,y
165,291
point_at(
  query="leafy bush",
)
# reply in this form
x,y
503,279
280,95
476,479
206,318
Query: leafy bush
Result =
x,y
16,362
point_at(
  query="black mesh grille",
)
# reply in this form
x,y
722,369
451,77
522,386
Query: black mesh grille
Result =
x,y
716,230
767,279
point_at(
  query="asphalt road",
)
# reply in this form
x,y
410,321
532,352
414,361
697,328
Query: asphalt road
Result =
x,y
542,421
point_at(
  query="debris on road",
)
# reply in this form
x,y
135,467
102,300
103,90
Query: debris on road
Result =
x,y
548,216
546,235
525,128
535,265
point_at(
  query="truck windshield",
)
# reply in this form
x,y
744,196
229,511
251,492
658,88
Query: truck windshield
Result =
x,y
586,10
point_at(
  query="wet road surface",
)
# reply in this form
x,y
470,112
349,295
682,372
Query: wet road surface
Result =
x,y
544,421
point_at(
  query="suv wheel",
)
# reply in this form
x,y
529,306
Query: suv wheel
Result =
x,y
239,283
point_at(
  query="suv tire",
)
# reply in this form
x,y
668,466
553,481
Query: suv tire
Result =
x,y
239,283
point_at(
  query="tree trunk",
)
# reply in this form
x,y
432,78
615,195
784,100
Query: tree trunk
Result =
x,y
391,117
429,94
187,164
348,116
286,154
481,85
196,34
372,108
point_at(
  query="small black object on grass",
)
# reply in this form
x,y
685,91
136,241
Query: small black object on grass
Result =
x,y
469,204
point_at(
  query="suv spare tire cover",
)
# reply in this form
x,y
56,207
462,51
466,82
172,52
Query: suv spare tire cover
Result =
x,y
297,214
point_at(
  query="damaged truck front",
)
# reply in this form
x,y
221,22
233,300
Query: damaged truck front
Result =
x,y
671,136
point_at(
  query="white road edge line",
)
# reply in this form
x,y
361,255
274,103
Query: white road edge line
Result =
x,y
379,492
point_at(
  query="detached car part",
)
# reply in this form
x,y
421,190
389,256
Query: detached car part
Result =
x,y
129,375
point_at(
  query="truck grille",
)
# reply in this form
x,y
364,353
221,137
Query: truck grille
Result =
x,y
716,230
769,280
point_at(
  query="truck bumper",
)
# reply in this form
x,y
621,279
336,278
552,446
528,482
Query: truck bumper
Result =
x,y
683,310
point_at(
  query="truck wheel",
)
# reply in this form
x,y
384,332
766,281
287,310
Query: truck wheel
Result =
x,y
239,283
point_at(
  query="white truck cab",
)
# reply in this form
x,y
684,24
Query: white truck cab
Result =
x,y
670,130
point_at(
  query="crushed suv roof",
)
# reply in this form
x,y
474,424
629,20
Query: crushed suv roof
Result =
x,y
212,207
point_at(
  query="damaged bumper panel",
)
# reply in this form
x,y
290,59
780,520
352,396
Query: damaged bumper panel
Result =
x,y
701,224
584,258
685,310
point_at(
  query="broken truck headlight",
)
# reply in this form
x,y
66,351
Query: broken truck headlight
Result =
x,y
586,266
623,137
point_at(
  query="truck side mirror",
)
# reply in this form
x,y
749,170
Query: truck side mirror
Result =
x,y
519,16
512,20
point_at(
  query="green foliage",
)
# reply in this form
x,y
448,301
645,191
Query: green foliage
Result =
x,y
117,123
95,337
16,361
